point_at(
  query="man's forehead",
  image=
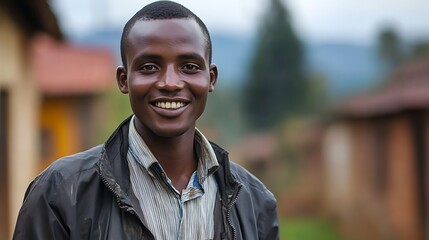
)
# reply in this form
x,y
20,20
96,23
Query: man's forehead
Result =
x,y
150,36
174,27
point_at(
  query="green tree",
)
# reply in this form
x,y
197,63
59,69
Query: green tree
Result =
x,y
389,48
276,86
419,49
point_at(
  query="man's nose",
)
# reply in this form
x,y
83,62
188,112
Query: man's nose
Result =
x,y
170,80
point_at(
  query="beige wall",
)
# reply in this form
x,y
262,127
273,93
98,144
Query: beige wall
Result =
x,y
338,159
10,51
15,78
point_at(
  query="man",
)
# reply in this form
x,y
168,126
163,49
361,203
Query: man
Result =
x,y
157,176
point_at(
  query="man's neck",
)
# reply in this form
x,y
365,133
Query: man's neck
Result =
x,y
176,156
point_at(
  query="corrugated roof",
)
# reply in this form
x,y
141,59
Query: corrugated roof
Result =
x,y
407,88
64,69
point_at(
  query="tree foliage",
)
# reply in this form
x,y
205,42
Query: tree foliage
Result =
x,y
276,85
392,51
389,48
419,49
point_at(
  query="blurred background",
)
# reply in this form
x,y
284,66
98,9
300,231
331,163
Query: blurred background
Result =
x,y
325,101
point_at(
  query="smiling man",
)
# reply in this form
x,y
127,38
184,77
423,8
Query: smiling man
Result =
x,y
157,176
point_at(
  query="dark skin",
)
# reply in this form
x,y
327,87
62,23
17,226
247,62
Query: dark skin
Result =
x,y
168,77
179,162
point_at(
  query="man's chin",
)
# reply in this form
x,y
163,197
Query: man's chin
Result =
x,y
173,132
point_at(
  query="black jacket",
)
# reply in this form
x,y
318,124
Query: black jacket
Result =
x,y
88,196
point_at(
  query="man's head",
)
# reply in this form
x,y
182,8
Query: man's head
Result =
x,y
163,10
167,71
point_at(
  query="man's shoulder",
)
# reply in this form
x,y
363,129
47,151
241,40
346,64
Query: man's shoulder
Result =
x,y
71,165
254,195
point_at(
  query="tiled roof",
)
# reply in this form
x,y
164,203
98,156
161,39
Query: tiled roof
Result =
x,y
406,89
63,69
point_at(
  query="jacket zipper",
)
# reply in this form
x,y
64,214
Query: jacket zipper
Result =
x,y
128,209
228,215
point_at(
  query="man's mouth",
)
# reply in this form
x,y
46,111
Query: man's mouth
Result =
x,y
170,105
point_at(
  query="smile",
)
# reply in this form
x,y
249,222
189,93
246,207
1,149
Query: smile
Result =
x,y
170,105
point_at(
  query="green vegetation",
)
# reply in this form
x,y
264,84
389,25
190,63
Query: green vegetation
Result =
x,y
307,229
392,50
115,108
276,86
389,48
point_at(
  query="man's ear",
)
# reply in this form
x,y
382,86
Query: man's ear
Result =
x,y
213,77
121,79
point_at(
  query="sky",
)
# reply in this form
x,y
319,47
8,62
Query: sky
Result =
x,y
355,21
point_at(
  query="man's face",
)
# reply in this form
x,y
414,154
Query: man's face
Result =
x,y
168,76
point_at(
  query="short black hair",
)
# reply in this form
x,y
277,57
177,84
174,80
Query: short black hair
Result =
x,y
162,10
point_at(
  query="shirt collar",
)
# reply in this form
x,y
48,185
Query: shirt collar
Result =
x,y
207,161
138,148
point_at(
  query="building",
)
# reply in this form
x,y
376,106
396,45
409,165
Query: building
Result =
x,y
41,101
376,155
71,108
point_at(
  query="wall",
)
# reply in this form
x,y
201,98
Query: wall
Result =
x,y
377,175
23,105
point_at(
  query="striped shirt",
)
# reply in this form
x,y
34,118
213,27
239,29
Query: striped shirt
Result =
x,y
167,213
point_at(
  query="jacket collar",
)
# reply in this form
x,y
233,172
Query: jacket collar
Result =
x,y
114,159
227,183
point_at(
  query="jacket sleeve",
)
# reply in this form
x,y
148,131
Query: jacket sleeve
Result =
x,y
39,217
268,222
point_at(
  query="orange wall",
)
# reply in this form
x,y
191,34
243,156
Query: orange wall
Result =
x,y
401,190
59,124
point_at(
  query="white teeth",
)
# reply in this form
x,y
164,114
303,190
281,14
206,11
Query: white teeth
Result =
x,y
170,105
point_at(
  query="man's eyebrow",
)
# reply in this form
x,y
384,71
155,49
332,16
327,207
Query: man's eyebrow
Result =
x,y
191,56
148,56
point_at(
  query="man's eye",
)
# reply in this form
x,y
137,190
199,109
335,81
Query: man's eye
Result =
x,y
149,68
190,68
